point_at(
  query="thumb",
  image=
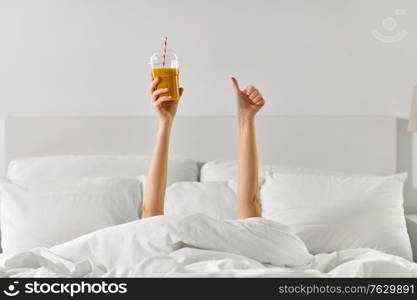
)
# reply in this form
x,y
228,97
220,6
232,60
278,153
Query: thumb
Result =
x,y
235,84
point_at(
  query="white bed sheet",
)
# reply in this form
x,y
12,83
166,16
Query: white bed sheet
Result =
x,y
198,246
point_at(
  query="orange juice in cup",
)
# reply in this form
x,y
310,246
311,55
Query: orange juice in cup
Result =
x,y
168,78
164,65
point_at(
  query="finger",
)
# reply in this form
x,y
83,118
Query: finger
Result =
x,y
154,84
181,91
249,89
162,100
261,103
158,92
258,100
235,84
253,94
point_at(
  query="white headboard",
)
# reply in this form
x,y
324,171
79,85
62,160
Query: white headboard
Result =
x,y
353,144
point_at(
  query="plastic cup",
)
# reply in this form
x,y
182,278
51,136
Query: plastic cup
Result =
x,y
167,73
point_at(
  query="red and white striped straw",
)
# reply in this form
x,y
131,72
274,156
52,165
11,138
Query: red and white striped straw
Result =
x,y
164,54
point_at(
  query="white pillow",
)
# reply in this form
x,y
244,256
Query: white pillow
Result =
x,y
49,213
219,170
79,166
215,199
336,212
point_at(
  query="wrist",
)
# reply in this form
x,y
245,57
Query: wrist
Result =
x,y
165,123
246,119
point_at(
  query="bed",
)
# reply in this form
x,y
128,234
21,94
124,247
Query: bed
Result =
x,y
62,162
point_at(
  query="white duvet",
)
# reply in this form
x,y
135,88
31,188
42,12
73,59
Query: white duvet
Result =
x,y
198,246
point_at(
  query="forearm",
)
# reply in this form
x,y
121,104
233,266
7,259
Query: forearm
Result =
x,y
156,180
247,186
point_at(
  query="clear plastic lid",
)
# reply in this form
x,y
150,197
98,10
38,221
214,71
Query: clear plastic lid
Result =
x,y
171,60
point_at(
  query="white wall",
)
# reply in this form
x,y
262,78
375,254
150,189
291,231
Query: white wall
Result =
x,y
310,57
307,56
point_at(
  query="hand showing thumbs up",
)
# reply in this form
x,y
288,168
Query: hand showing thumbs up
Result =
x,y
249,101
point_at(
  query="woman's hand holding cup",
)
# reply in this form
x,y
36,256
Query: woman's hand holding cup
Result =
x,y
164,105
